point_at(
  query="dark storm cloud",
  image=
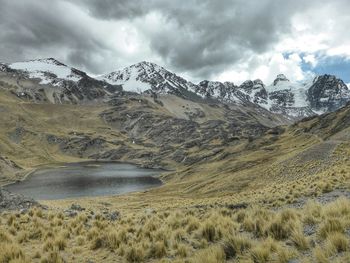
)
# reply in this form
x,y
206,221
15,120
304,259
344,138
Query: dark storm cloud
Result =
x,y
199,37
33,28
205,36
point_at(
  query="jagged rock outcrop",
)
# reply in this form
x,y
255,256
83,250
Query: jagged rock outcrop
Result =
x,y
327,93
280,78
215,89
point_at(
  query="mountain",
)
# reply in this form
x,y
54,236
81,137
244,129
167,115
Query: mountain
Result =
x,y
66,113
323,94
295,100
149,77
58,82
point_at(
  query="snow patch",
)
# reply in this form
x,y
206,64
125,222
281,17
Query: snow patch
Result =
x,y
144,76
43,68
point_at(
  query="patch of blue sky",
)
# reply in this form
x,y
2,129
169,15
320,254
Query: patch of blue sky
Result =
x,y
333,65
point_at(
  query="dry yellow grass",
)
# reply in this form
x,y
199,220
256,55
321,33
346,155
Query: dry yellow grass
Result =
x,y
161,235
192,217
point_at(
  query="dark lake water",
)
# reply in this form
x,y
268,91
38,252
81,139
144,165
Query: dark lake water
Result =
x,y
86,179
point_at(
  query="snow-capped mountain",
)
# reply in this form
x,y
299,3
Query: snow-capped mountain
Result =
x,y
147,76
327,93
59,82
214,89
48,71
322,94
297,100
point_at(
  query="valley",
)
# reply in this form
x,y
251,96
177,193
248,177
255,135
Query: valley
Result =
x,y
254,173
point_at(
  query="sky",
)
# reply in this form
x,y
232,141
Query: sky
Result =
x,y
226,40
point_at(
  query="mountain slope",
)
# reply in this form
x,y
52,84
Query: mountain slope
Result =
x,y
146,76
52,81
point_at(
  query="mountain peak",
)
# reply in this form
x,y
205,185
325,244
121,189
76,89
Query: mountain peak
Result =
x,y
279,78
50,61
46,69
145,76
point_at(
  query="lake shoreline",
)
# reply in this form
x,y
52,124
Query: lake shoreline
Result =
x,y
64,164
86,179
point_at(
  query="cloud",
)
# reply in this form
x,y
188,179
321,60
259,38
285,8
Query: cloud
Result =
x,y
266,67
204,37
227,39
310,59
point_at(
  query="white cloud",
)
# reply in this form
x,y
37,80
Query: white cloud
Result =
x,y
230,41
319,30
311,59
315,33
266,67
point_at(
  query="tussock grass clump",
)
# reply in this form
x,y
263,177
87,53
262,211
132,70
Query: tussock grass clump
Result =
x,y
134,254
182,250
157,250
285,254
97,242
234,245
312,213
52,257
4,236
299,240
209,231
49,245
331,225
336,243
22,237
320,255
338,208
260,254
11,253
209,255
278,230
60,243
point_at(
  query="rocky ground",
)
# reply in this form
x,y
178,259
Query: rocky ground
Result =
x,y
12,201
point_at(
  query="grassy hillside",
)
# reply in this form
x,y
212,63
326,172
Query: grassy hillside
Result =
x,y
233,196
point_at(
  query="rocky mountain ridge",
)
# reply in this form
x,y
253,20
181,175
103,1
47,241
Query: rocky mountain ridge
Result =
x,y
323,94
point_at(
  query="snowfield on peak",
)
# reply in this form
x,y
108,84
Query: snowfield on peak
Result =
x,y
146,76
43,68
298,90
128,78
